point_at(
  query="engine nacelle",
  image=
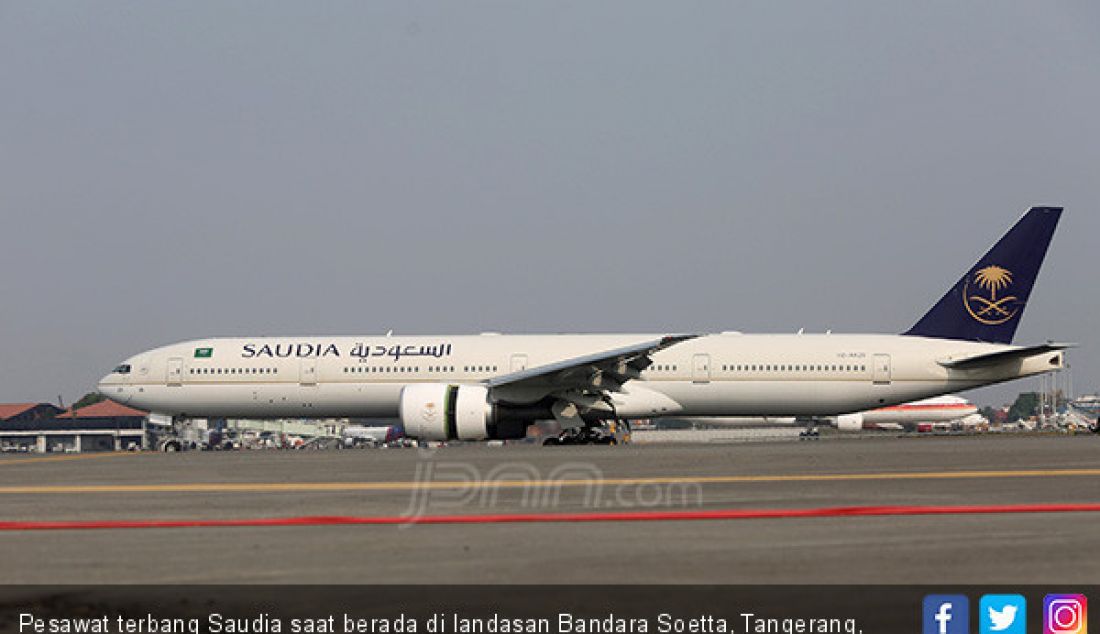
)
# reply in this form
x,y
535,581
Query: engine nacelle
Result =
x,y
849,422
439,411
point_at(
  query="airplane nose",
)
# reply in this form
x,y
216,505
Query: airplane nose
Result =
x,y
107,388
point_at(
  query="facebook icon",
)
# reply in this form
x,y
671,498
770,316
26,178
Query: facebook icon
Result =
x,y
946,614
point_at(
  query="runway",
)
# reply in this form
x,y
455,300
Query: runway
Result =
x,y
867,510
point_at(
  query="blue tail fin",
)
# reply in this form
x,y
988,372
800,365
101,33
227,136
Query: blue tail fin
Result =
x,y
987,303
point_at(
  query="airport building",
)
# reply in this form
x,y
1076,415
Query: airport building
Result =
x,y
104,426
20,412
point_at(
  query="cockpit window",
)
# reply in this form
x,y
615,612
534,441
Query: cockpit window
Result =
x,y
123,369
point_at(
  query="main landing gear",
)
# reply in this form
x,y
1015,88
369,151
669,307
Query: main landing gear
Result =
x,y
810,433
591,435
577,431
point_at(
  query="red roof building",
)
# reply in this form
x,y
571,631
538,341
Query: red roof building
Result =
x,y
104,409
16,412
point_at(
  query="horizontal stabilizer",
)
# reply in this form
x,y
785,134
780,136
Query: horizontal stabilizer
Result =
x,y
1001,356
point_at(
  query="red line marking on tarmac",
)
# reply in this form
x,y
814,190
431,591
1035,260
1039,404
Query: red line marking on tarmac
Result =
x,y
614,516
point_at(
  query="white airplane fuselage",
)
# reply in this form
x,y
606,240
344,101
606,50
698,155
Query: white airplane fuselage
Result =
x,y
729,374
492,385
933,410
891,417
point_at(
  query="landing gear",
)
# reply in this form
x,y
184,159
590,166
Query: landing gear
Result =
x,y
589,435
810,433
578,431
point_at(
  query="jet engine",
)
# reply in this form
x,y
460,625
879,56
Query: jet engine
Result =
x,y
438,411
849,422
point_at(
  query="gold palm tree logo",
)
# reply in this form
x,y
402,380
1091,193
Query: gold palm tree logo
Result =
x,y
991,311
993,278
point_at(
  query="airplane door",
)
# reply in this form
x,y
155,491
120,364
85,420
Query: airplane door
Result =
x,y
700,368
307,372
519,362
175,371
881,369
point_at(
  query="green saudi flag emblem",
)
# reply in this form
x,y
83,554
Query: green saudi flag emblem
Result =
x,y
204,353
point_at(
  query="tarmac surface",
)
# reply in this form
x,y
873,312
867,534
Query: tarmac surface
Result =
x,y
476,481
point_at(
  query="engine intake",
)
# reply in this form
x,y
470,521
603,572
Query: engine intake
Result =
x,y
439,411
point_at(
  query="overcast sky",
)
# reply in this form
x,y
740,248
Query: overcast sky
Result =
x,y
178,170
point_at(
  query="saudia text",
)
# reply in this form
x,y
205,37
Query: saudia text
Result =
x,y
360,350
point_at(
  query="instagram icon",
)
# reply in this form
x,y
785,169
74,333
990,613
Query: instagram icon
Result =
x,y
1065,614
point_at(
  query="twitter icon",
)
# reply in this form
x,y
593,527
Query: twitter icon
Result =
x,y
1002,614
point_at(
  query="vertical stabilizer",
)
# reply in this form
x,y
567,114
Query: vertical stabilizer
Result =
x,y
988,302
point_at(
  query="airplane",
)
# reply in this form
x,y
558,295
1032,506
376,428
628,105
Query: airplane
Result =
x,y
492,386
938,409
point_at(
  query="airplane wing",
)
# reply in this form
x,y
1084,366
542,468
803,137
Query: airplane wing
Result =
x,y
1001,356
600,372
